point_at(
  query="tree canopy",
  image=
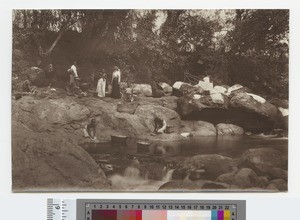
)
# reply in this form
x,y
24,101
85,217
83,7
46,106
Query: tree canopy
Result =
x,y
249,47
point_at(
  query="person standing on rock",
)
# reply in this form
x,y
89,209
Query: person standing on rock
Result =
x,y
73,76
101,85
115,82
90,130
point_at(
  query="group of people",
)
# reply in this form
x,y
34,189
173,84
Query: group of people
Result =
x,y
160,125
113,88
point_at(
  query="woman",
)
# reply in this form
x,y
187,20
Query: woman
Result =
x,y
89,130
160,126
115,82
101,86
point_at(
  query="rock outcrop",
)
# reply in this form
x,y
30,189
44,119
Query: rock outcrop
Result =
x,y
235,105
35,75
52,160
213,164
198,128
229,129
263,161
243,178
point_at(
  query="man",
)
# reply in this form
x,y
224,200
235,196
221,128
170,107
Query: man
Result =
x,y
73,75
160,126
90,130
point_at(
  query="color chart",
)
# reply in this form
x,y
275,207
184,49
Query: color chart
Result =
x,y
162,215
163,210
97,209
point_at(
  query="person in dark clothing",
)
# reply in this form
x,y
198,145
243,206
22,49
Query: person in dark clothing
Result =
x,y
160,126
116,79
50,75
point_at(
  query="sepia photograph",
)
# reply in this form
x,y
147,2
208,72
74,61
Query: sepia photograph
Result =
x,y
150,100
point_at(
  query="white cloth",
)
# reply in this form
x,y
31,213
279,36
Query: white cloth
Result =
x,y
284,111
117,73
257,98
163,128
177,85
74,70
101,87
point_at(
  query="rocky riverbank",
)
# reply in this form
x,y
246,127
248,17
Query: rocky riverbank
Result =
x,y
47,134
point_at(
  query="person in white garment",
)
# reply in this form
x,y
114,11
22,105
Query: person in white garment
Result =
x,y
101,86
73,76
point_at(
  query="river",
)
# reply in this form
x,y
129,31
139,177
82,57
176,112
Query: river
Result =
x,y
129,170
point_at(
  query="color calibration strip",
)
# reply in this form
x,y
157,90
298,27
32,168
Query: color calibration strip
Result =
x,y
161,215
161,211
101,209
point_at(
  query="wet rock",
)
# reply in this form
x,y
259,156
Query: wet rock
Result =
x,y
213,164
35,75
197,175
179,174
198,128
229,129
262,160
243,178
278,184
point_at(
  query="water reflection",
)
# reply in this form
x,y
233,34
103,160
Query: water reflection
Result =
x,y
232,146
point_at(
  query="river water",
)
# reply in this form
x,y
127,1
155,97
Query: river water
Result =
x,y
129,170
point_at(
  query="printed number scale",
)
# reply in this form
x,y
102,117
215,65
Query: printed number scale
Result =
x,y
91,209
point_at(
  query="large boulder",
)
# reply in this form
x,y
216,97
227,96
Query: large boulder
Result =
x,y
206,107
198,128
213,164
249,111
244,178
147,113
229,129
52,161
262,160
246,102
142,89
252,114
35,75
52,111
166,88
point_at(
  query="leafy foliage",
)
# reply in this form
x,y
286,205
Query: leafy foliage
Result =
x,y
249,47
